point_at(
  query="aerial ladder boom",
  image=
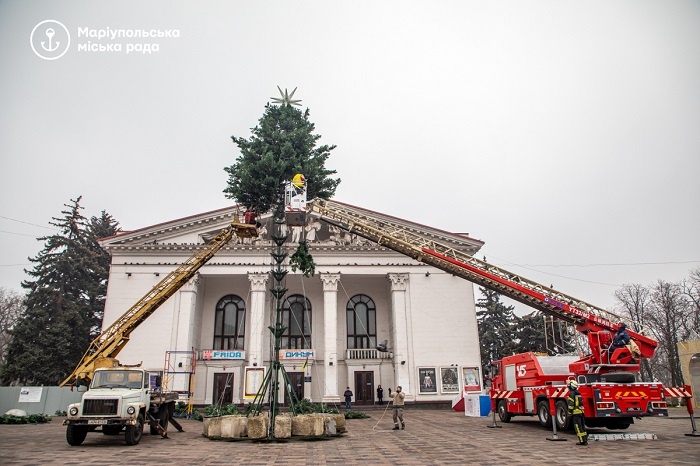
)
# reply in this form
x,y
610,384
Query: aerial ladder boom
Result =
x,y
596,323
106,346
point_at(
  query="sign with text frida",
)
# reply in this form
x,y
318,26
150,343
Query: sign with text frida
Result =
x,y
222,354
288,354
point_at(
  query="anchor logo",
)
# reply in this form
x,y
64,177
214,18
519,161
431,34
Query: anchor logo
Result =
x,y
50,39
50,33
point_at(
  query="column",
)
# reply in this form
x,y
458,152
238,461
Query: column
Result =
x,y
330,338
399,317
182,335
254,333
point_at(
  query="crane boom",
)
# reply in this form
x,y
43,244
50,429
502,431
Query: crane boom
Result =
x,y
587,318
107,345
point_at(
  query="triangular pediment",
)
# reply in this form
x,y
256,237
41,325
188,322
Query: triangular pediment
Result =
x,y
200,228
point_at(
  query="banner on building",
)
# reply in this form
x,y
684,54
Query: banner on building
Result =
x,y
297,354
223,354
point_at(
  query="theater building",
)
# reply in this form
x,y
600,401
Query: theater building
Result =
x,y
211,340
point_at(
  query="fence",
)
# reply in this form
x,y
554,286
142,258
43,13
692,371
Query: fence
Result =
x,y
37,400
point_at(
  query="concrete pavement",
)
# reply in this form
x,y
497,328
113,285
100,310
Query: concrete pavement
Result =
x,y
431,437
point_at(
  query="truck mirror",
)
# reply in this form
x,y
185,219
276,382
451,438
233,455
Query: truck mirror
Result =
x,y
159,381
82,388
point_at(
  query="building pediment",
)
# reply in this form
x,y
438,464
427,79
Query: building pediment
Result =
x,y
199,229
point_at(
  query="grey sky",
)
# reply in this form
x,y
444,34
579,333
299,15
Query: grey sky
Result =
x,y
564,134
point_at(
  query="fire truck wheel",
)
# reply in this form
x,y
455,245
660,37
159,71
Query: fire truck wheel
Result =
x,y
543,414
76,434
562,416
503,413
133,433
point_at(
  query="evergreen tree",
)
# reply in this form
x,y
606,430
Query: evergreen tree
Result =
x,y
497,327
64,300
281,145
96,289
541,334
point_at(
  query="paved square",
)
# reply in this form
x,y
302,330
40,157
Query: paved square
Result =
x,y
431,437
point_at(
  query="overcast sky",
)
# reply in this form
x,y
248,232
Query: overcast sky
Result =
x,y
565,135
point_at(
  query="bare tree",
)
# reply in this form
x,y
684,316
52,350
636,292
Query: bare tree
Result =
x,y
634,300
691,290
11,308
669,309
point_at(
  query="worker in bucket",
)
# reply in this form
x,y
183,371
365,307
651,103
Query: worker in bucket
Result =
x,y
575,405
621,339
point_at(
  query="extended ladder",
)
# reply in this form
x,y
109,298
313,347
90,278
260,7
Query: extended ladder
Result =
x,y
422,248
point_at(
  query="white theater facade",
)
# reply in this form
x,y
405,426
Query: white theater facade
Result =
x,y
211,338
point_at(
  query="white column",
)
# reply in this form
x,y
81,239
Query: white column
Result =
x,y
183,319
330,338
399,317
254,334
182,335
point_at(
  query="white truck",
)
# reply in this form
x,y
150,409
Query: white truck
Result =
x,y
121,400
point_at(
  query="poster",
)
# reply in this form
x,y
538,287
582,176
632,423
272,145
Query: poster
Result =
x,y
471,380
449,380
254,377
427,380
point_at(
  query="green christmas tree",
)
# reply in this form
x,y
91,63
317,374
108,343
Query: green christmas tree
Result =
x,y
281,145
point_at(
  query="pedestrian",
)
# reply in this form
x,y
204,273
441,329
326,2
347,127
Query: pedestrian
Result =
x,y
575,404
348,397
380,394
397,407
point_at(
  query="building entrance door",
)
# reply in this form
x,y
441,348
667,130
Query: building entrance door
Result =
x,y
296,379
223,392
364,387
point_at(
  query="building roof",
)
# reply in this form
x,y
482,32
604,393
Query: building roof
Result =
x,y
197,229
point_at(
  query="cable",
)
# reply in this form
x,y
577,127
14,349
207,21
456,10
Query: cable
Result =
x,y
382,417
19,234
26,223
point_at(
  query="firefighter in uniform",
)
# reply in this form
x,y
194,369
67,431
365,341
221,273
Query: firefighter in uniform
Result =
x,y
575,405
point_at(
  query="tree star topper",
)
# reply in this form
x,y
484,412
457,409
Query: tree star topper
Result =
x,y
286,98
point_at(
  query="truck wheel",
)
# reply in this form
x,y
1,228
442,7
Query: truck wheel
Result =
x,y
134,433
562,416
503,413
76,434
111,430
543,414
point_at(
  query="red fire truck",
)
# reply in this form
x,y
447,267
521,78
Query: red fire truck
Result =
x,y
529,384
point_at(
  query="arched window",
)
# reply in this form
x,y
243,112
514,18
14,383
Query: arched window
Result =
x,y
362,322
229,323
296,316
